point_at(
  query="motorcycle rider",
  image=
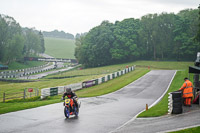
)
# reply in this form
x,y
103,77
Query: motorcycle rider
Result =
x,y
70,94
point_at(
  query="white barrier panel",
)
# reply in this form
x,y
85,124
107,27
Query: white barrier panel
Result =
x,y
133,68
75,86
110,76
123,72
120,73
116,75
106,78
45,92
99,81
61,89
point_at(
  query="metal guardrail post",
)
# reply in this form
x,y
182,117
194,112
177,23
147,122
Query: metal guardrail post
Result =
x,y
37,92
4,97
199,98
24,93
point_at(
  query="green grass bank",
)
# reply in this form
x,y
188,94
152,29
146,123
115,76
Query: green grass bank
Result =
x,y
189,130
59,48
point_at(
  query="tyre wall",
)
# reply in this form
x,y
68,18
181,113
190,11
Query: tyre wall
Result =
x,y
175,103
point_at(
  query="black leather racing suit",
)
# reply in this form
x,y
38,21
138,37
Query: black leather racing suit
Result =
x,y
71,95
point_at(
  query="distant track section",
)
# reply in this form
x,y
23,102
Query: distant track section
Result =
x,y
50,59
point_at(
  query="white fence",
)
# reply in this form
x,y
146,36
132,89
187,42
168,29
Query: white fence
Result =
x,y
24,72
61,89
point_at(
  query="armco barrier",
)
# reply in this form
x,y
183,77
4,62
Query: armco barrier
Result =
x,y
89,83
61,89
54,91
24,72
111,76
103,79
45,92
99,81
75,86
108,77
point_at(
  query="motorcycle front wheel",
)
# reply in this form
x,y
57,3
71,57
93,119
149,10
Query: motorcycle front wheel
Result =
x,y
66,112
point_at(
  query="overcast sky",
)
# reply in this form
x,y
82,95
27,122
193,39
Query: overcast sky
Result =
x,y
79,16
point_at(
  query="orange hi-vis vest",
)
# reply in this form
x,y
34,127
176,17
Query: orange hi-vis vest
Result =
x,y
187,88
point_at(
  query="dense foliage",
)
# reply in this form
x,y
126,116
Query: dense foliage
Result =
x,y
153,37
58,34
197,37
17,42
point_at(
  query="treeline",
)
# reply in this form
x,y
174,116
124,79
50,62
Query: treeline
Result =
x,y
58,34
17,42
153,37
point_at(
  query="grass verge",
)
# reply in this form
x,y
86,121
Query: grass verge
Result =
x,y
60,48
27,64
189,130
112,85
162,107
16,105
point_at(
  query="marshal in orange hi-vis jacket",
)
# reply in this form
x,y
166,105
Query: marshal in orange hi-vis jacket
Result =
x,y
187,88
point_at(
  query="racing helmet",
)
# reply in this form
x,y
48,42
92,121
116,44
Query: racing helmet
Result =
x,y
68,90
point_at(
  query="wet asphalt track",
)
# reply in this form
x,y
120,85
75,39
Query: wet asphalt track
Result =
x,y
163,124
101,114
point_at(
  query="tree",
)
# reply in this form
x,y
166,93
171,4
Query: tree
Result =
x,y
15,48
3,37
153,37
11,39
197,37
42,42
58,34
15,41
185,30
145,36
34,42
126,42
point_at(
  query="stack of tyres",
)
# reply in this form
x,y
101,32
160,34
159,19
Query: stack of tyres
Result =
x,y
177,102
170,103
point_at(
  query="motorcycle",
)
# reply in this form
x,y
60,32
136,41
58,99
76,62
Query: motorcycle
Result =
x,y
70,108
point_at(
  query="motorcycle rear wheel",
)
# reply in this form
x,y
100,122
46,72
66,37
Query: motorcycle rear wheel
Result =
x,y
76,111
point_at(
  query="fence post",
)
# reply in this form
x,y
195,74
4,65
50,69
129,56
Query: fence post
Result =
x,y
4,97
37,92
24,93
